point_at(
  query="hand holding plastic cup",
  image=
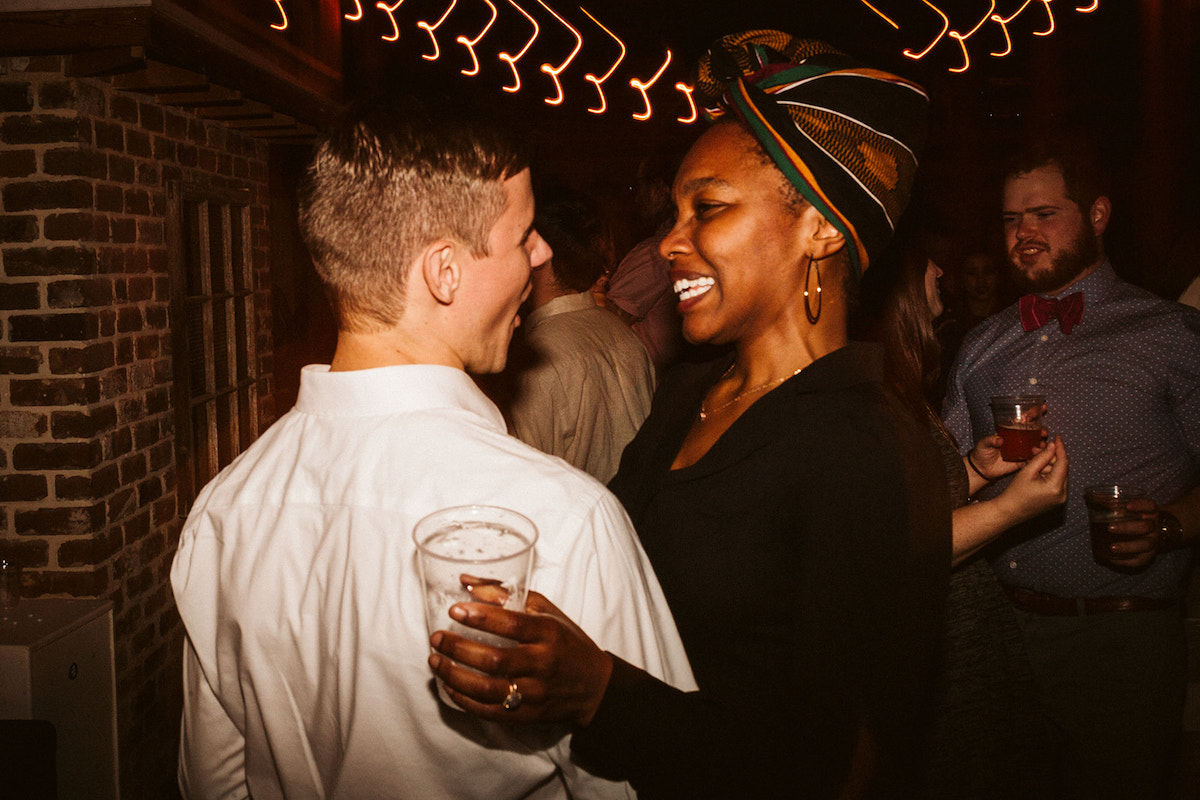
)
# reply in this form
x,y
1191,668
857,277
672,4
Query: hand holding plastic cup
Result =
x,y
481,554
1108,506
1018,421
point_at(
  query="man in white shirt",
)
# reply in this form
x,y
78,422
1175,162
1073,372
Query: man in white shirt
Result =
x,y
305,669
586,381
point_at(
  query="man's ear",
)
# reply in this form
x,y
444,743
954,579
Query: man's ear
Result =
x,y
1100,214
826,239
440,270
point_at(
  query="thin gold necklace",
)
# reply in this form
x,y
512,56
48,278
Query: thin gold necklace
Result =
x,y
705,414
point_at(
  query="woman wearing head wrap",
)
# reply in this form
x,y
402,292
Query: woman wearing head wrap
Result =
x,y
796,516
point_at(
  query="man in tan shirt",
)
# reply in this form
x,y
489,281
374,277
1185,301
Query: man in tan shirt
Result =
x,y
583,379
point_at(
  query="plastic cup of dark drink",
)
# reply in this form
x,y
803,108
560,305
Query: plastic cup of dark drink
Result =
x,y
1107,505
1019,423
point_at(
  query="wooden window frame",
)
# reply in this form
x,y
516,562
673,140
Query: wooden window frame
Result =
x,y
217,381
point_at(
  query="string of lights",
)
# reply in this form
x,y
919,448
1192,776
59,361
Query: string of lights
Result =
x,y
642,86
990,16
949,32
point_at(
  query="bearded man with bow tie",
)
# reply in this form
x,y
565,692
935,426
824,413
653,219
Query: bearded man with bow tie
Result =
x,y
1120,369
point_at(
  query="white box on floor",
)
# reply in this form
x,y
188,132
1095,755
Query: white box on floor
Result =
x,y
56,664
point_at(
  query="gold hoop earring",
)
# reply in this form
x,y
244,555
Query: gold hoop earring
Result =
x,y
808,312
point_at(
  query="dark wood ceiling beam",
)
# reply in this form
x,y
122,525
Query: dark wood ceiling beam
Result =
x,y
43,32
213,60
293,82
109,61
248,109
160,78
213,97
298,134
274,122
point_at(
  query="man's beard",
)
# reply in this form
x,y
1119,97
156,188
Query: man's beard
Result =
x,y
1065,266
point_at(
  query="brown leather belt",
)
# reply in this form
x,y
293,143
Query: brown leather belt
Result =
x,y
1054,606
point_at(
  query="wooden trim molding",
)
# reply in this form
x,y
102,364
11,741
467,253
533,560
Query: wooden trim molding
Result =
x,y
158,47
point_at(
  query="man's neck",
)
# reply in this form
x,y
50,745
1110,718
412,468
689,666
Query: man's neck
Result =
x,y
542,292
387,348
1076,279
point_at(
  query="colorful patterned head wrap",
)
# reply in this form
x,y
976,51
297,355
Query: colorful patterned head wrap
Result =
x,y
844,134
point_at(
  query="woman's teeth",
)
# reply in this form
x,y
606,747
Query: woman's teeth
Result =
x,y
687,288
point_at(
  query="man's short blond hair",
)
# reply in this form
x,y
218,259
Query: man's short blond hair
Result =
x,y
389,180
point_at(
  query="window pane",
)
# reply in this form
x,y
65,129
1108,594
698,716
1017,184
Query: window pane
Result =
x,y
195,247
243,312
216,246
226,428
213,311
220,346
203,450
239,242
195,357
247,412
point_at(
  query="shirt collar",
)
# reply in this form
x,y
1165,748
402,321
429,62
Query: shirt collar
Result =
x,y
561,305
392,390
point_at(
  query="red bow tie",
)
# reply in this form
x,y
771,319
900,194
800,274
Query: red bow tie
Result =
x,y
1037,311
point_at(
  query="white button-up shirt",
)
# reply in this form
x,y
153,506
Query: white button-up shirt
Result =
x,y
305,665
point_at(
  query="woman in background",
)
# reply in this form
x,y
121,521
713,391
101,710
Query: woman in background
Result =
x,y
985,741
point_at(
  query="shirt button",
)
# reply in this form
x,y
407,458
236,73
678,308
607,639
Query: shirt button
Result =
x,y
1045,338
1032,381
1012,565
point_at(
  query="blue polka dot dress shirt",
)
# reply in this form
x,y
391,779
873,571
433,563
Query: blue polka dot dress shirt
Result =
x,y
1123,391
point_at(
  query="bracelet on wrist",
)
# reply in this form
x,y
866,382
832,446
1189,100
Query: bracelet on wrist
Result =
x,y
977,470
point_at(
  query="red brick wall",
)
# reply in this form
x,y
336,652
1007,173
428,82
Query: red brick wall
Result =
x,y
87,458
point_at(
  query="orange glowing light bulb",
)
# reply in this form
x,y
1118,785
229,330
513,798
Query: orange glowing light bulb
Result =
x,y
511,59
687,92
283,20
1007,39
962,42
1049,18
357,15
470,44
962,38
936,39
643,86
390,11
599,82
554,72
432,31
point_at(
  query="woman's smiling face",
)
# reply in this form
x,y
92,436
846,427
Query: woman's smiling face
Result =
x,y
738,259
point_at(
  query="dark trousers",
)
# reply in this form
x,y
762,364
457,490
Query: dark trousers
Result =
x,y
1112,687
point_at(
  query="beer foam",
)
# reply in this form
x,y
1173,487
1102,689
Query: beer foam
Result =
x,y
468,541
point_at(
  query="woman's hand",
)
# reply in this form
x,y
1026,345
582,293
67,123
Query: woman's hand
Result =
x,y
985,464
986,457
1039,485
560,673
